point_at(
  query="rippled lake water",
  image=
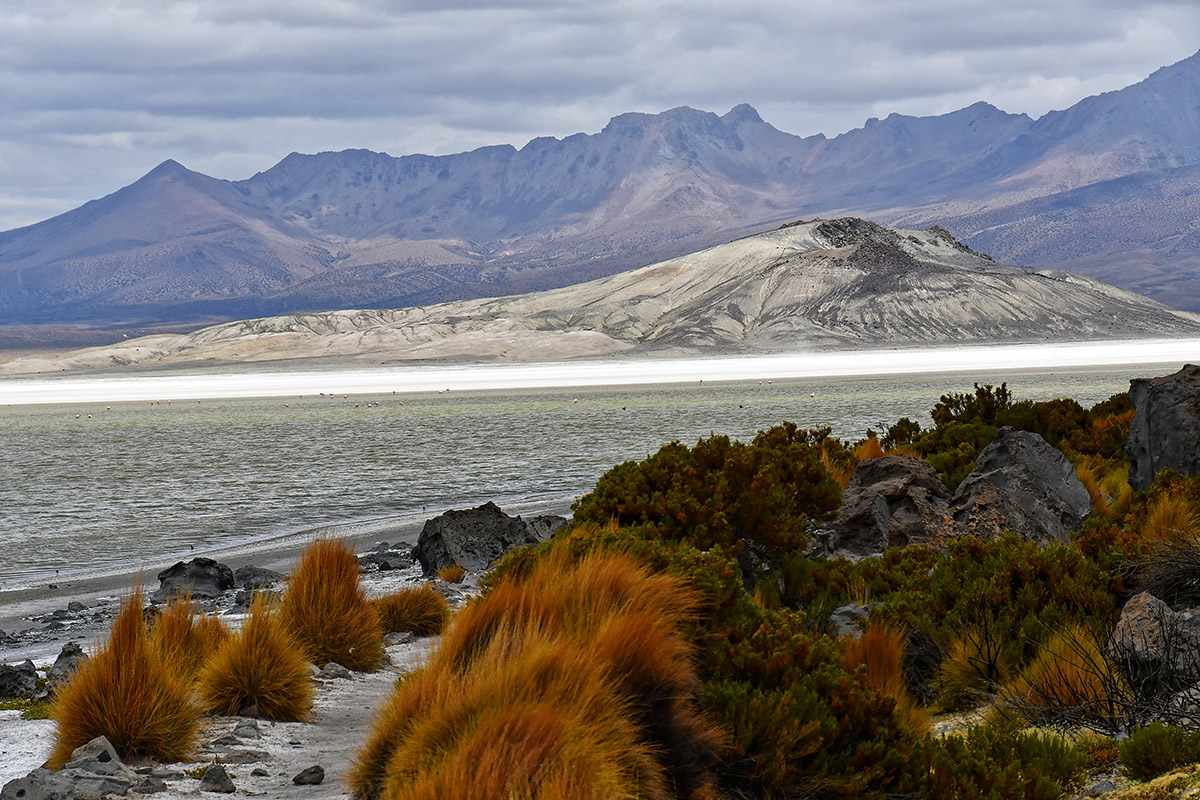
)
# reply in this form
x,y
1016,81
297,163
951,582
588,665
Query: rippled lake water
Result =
x,y
95,486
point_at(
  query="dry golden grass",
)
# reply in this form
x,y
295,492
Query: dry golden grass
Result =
x,y
839,470
127,693
327,610
185,640
261,665
1086,473
881,653
453,573
421,610
569,682
1068,679
868,448
1171,519
974,664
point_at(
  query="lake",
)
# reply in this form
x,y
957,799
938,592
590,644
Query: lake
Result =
x,y
97,486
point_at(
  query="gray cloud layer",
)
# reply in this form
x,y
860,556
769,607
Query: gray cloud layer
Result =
x,y
95,94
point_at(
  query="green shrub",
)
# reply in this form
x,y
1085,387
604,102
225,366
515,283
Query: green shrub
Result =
x,y
998,762
1155,749
720,492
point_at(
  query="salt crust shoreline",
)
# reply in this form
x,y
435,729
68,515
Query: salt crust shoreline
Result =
x,y
343,710
258,380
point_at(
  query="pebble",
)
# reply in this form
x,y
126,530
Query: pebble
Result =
x,y
310,777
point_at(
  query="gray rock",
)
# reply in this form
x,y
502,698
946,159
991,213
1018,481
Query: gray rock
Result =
x,y
1021,484
399,638
310,777
247,729
1157,646
70,658
334,670
1101,788
41,784
202,577
148,784
849,619
216,779
96,753
891,501
75,607
19,680
259,772
252,578
1166,426
477,537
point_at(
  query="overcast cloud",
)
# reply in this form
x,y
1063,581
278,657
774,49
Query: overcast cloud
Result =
x,y
95,94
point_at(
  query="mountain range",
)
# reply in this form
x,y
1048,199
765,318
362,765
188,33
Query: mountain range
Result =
x,y
1106,188
817,285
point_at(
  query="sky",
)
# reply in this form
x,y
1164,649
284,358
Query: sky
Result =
x,y
95,94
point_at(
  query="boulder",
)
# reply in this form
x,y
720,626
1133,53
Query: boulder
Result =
x,y
1158,647
1022,484
1166,426
849,620
310,777
94,770
891,501
202,577
385,557
19,680
216,779
475,538
252,578
70,658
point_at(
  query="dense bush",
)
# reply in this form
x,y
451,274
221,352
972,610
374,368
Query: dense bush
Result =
x,y
1156,748
759,495
998,762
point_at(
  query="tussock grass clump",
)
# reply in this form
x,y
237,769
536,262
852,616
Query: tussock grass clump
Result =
x,y
571,679
421,610
880,653
453,573
327,610
261,665
1172,519
1069,682
869,448
185,639
128,693
976,664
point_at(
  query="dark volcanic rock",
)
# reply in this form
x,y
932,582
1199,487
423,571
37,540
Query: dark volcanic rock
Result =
x,y
251,577
19,680
216,779
1021,484
1166,426
310,777
891,501
476,537
70,658
202,577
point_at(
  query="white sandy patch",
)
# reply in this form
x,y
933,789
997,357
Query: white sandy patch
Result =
x,y
24,744
408,379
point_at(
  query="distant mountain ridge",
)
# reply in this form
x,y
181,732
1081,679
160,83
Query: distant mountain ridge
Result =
x,y
362,229
819,285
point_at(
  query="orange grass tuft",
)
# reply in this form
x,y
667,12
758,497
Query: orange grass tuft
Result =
x,y
1070,678
184,639
327,610
1091,481
422,611
1171,519
868,448
453,573
880,653
261,665
587,651
127,693
975,664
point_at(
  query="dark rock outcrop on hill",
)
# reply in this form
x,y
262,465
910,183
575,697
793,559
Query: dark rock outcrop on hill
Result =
x,y
475,538
1166,426
18,680
200,577
1022,484
891,501
1105,188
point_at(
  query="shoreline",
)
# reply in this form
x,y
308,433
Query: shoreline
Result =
x,y
258,379
101,591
